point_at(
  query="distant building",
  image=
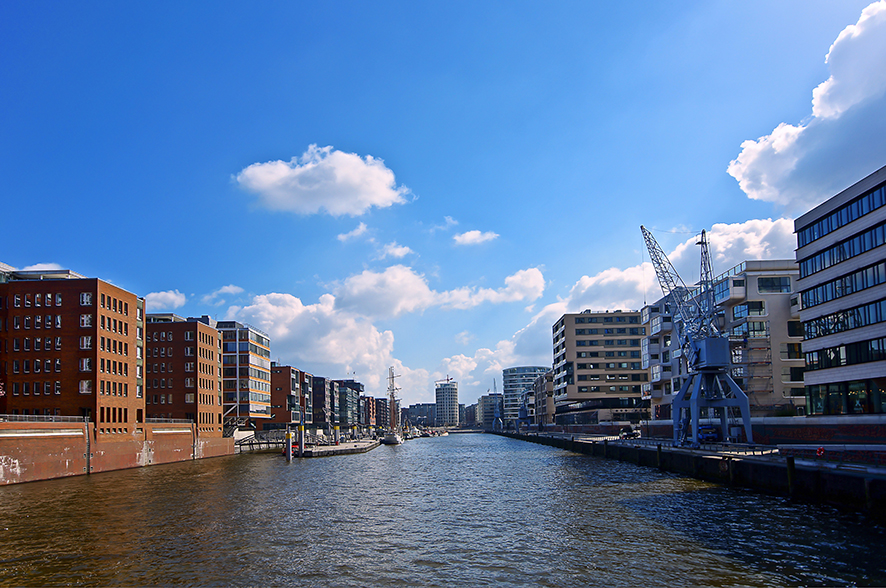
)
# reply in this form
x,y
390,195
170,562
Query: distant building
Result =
x,y
470,415
183,371
597,367
246,372
489,408
324,393
843,292
422,415
514,382
288,398
368,417
382,413
447,403
72,346
544,399
349,392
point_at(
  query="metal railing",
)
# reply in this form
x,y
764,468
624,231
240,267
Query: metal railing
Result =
x,y
41,418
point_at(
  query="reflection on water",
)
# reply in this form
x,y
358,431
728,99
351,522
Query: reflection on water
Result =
x,y
458,510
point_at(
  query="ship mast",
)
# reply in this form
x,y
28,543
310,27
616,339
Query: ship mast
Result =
x,y
392,400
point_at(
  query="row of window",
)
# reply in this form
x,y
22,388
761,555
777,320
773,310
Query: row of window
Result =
x,y
107,344
110,388
108,302
632,377
36,320
849,354
109,324
27,388
847,249
633,365
608,342
118,368
113,414
609,389
39,365
46,344
38,300
580,320
620,331
749,308
845,320
867,277
851,211
591,354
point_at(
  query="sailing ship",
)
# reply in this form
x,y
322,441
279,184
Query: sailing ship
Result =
x,y
393,436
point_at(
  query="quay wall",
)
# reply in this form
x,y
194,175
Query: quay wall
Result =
x,y
851,490
31,451
843,429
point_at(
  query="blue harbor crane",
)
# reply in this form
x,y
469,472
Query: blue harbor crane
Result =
x,y
709,387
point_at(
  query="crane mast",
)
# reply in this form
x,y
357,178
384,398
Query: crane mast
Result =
x,y
709,387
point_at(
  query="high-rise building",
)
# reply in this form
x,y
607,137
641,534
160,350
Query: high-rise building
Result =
x,y
447,403
349,392
514,382
325,401
73,346
544,399
246,372
382,413
183,371
843,292
597,367
422,415
490,407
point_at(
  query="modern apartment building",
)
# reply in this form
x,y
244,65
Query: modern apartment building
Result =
x,y
382,413
73,346
349,392
597,371
246,372
447,403
368,417
514,382
183,371
325,403
422,415
843,293
756,303
289,407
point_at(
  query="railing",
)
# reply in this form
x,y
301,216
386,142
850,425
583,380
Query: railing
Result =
x,y
40,418
176,421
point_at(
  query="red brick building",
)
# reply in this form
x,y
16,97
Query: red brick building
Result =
x,y
71,346
183,372
289,403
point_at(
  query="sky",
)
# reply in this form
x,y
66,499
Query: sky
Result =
x,y
423,185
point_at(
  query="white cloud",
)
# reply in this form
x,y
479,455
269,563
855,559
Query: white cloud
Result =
x,y
215,298
464,337
395,250
448,222
43,267
324,180
474,237
398,290
168,300
360,230
799,166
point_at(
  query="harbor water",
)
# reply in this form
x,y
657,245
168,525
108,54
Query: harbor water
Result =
x,y
462,510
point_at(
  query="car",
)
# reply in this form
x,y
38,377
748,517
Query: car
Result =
x,y
708,434
629,433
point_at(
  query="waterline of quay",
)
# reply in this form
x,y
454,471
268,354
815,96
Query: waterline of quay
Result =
x,y
472,509
850,486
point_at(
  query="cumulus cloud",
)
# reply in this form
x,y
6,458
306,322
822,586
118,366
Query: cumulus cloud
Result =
x,y
395,250
801,165
43,267
215,298
323,180
474,237
360,230
398,290
167,300
448,223
464,337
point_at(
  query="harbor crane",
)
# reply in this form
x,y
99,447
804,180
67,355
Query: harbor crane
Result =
x,y
709,387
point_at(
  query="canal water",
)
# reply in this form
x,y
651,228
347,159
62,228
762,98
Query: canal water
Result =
x,y
462,510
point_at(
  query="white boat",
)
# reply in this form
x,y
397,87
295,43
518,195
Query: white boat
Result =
x,y
392,439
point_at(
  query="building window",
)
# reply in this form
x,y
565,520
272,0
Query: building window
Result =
x,y
781,285
85,364
85,298
85,320
85,386
17,300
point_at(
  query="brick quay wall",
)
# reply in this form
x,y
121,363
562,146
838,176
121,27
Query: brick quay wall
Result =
x,y
35,450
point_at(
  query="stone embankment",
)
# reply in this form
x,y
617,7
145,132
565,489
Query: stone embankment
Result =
x,y
815,479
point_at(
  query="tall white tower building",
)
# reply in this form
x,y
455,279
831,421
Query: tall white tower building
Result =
x,y
447,403
514,381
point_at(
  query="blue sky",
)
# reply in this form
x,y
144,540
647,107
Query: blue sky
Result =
x,y
423,185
